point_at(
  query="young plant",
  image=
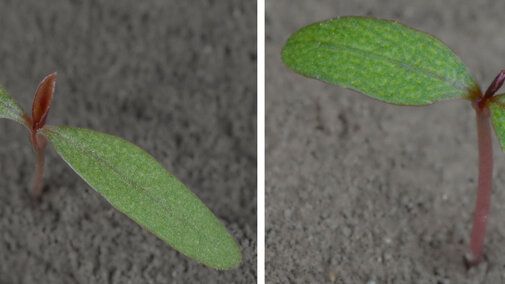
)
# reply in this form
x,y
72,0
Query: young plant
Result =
x,y
130,179
399,65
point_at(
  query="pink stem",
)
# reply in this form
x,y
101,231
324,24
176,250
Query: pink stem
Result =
x,y
484,187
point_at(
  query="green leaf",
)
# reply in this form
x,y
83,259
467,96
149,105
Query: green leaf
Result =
x,y
10,109
497,108
137,185
382,59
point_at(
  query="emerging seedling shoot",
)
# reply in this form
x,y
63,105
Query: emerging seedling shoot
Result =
x,y
130,179
399,65
40,110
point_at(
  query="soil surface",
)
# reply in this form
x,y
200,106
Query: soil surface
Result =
x,y
360,191
177,78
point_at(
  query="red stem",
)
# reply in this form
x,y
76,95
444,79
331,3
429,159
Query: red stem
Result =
x,y
39,145
484,186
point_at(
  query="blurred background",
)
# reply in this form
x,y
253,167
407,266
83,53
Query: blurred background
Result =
x,y
176,78
359,191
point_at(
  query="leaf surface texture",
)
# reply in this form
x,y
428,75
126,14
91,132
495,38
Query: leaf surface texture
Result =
x,y
137,185
382,59
10,109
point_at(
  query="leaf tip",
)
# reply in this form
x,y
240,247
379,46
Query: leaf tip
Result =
x,y
42,100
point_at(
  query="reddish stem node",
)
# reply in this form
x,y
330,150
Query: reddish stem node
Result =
x,y
491,90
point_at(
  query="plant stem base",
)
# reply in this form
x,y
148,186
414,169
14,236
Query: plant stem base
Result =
x,y
469,260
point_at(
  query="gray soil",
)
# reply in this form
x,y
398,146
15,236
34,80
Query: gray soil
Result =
x,y
360,191
177,78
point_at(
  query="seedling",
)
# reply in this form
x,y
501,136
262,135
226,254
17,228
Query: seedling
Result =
x,y
130,179
399,65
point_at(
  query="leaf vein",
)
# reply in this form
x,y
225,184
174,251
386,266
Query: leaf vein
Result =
x,y
401,64
126,180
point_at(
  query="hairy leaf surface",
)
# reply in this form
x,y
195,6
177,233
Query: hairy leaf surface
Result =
x,y
137,185
10,109
379,58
